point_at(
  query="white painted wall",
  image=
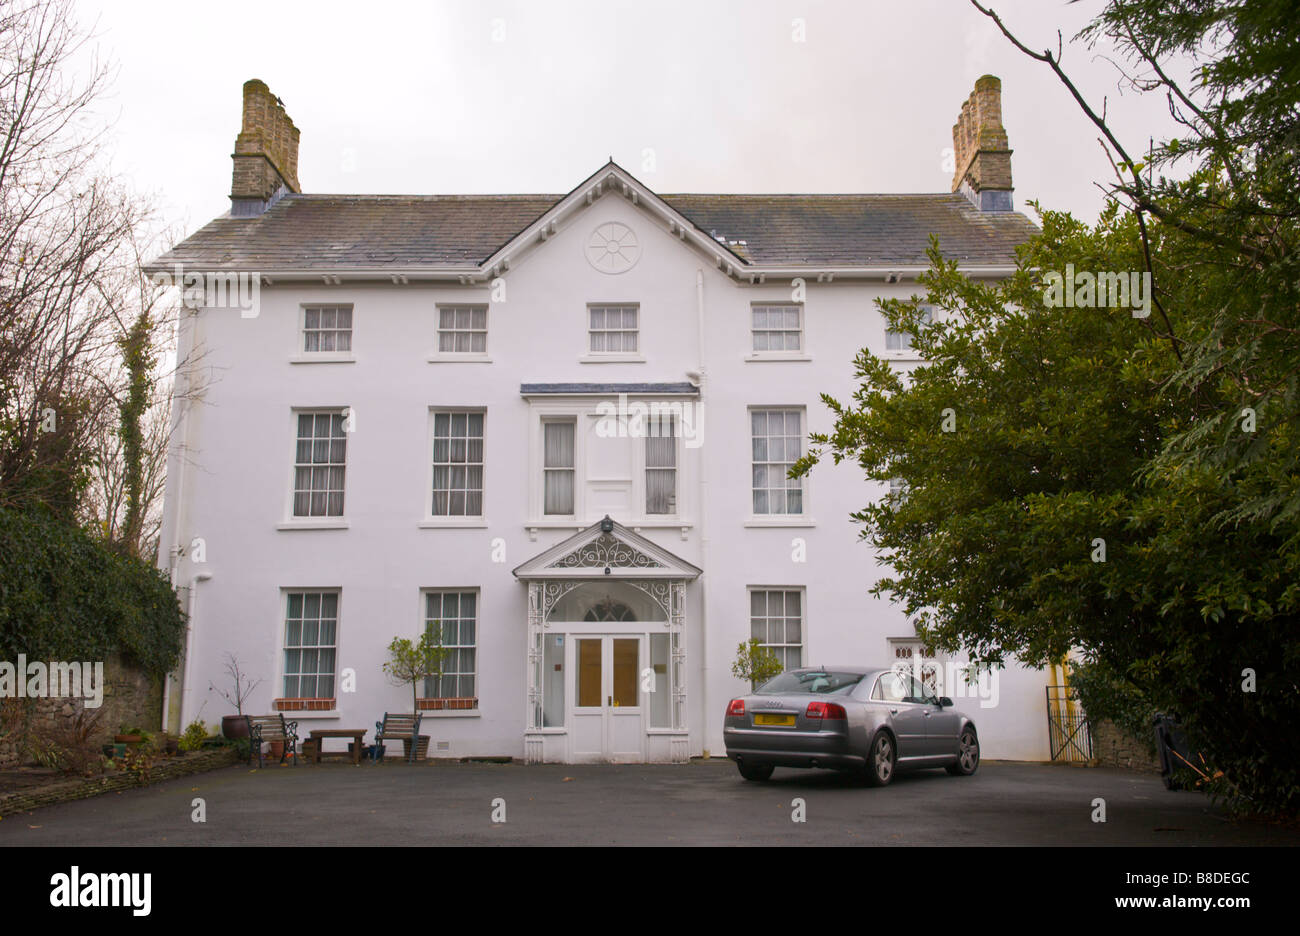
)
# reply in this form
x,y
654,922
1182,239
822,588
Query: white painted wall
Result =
x,y
238,475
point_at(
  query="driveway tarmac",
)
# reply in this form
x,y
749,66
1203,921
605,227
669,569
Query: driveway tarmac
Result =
x,y
701,803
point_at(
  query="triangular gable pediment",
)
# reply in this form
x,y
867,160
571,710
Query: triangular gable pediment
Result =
x,y
612,179
588,553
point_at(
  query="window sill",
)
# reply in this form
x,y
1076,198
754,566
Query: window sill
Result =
x,y
778,521
323,357
303,524
899,356
611,359
449,713
452,358
469,523
321,707
303,715
790,356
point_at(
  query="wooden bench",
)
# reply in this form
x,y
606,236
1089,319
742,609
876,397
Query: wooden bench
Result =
x,y
399,727
272,728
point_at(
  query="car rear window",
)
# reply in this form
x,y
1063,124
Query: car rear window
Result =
x,y
820,682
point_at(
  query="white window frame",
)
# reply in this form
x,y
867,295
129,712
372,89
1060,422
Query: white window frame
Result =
x,y
899,343
802,591
475,646
574,420
643,469
439,355
596,357
318,520
285,594
802,516
302,356
431,519
783,354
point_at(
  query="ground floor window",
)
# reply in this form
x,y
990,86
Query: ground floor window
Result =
x,y
452,616
310,642
776,622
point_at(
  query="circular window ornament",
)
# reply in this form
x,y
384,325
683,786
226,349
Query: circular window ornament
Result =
x,y
613,248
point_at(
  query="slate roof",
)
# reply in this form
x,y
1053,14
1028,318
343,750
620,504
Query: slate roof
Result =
x,y
394,232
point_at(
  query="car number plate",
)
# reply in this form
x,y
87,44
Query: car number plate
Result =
x,y
785,720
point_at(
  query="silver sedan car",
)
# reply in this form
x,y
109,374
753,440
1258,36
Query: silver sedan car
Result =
x,y
872,721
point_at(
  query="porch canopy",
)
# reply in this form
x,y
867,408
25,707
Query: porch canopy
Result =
x,y
606,573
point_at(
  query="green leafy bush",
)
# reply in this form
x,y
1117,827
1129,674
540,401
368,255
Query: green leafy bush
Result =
x,y
66,595
193,737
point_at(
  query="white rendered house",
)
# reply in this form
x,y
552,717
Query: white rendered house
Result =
x,y
557,429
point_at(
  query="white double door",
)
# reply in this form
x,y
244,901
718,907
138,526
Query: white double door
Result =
x,y
607,722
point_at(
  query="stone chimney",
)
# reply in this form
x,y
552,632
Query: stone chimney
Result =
x,y
266,153
982,156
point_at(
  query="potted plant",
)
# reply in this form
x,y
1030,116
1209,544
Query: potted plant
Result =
x,y
242,686
755,663
130,735
409,662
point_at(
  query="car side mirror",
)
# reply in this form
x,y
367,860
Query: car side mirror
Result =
x,y
945,702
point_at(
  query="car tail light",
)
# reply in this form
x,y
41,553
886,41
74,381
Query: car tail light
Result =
x,y
736,708
825,710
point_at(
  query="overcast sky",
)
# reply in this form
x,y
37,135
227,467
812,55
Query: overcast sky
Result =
x,y
494,96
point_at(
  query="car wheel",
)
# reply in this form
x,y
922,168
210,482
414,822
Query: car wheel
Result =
x,y
881,760
756,772
968,754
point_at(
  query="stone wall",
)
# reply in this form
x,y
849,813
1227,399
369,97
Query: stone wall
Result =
x,y
131,698
65,791
1112,747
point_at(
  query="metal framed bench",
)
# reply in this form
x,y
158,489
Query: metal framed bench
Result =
x,y
399,727
272,728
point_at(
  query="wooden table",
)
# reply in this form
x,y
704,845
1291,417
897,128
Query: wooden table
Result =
x,y
320,734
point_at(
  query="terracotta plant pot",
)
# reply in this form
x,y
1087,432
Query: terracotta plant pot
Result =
x,y
234,726
277,749
127,739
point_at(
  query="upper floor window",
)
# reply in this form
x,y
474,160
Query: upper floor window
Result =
x,y
327,328
558,472
613,329
661,465
457,464
902,341
777,327
777,438
462,329
320,459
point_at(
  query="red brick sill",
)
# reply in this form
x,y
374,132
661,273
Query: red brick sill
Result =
x,y
303,705
436,705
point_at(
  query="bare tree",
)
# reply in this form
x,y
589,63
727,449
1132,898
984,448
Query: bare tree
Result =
x,y
86,353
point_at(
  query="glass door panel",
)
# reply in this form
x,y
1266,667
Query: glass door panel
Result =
x,y
626,669
590,674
